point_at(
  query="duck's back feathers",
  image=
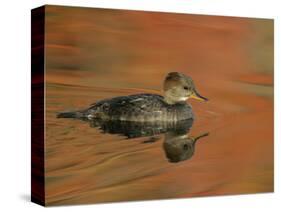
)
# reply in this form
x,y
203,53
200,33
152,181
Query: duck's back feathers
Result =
x,y
139,107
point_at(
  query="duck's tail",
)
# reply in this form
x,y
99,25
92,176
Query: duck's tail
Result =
x,y
71,114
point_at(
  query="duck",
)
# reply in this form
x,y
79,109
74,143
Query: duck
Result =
x,y
172,106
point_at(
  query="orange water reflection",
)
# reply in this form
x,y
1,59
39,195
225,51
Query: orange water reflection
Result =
x,y
94,54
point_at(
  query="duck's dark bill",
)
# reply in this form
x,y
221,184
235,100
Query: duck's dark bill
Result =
x,y
197,96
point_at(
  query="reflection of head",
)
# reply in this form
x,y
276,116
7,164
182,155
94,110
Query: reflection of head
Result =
x,y
179,147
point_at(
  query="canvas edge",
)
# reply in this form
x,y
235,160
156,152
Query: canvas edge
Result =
x,y
154,11
37,105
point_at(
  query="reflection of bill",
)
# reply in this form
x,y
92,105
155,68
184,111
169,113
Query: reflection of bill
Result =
x,y
179,147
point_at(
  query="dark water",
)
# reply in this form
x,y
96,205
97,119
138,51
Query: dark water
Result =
x,y
97,54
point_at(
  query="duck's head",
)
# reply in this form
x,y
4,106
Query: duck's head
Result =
x,y
179,87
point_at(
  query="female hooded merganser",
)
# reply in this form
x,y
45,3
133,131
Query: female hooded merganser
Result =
x,y
171,107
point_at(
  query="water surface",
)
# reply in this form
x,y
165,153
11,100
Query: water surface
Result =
x,y
97,54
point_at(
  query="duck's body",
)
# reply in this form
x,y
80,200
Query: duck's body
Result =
x,y
171,107
141,107
137,108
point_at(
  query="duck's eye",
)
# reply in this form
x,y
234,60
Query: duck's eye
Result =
x,y
185,88
185,146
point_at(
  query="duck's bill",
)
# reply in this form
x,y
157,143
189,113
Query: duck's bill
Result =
x,y
197,96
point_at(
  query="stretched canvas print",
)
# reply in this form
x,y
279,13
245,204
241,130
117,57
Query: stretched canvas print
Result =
x,y
134,105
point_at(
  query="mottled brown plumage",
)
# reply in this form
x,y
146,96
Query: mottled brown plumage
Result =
x,y
171,107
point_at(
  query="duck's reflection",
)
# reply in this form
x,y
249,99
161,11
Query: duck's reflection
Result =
x,y
178,145
139,129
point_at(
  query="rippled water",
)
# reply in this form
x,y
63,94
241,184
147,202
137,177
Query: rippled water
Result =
x,y
97,54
